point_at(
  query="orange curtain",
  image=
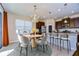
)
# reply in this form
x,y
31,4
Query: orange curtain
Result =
x,y
5,29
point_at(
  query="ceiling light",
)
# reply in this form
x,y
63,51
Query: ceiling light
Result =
x,y
35,7
50,12
65,4
72,11
59,10
65,21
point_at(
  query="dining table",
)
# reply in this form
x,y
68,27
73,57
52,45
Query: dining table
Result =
x,y
33,38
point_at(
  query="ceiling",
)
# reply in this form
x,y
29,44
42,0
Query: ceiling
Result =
x,y
56,10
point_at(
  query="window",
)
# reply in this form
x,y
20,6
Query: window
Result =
x,y
0,30
23,25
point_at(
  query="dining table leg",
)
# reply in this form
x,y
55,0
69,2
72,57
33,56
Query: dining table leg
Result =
x,y
33,43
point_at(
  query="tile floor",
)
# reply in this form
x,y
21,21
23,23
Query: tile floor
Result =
x,y
7,51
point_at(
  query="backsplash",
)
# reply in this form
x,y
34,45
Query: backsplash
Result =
x,y
70,29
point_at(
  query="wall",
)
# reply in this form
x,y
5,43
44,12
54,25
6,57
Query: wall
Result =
x,y
12,26
50,22
73,16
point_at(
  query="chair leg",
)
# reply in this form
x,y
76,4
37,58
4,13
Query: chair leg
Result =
x,y
53,41
67,47
57,41
70,45
43,48
63,44
40,46
60,44
27,51
31,48
50,40
20,50
37,46
19,44
46,47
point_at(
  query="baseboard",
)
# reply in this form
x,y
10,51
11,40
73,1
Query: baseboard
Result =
x,y
11,42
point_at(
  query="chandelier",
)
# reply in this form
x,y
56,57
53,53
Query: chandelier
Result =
x,y
34,19
35,16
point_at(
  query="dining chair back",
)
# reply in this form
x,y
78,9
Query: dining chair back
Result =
x,y
24,42
43,42
64,35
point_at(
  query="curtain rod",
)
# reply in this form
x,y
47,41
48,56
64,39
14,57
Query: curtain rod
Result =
x,y
2,6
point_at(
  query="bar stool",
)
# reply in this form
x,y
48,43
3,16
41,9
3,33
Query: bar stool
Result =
x,y
56,37
65,37
51,38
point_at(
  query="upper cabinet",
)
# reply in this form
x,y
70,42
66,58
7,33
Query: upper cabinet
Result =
x,y
39,24
58,25
72,23
68,23
76,22
65,23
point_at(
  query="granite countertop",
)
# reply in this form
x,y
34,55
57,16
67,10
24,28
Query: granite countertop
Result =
x,y
76,53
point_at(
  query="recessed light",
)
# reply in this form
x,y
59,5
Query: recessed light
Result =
x,y
50,12
43,16
35,6
59,10
65,4
72,11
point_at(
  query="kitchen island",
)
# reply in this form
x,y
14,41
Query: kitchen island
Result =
x,y
72,38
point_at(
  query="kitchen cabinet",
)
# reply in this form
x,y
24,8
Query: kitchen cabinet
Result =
x,y
76,22
66,23
39,24
70,23
58,24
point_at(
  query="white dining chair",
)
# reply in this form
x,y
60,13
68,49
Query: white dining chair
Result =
x,y
24,43
43,42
